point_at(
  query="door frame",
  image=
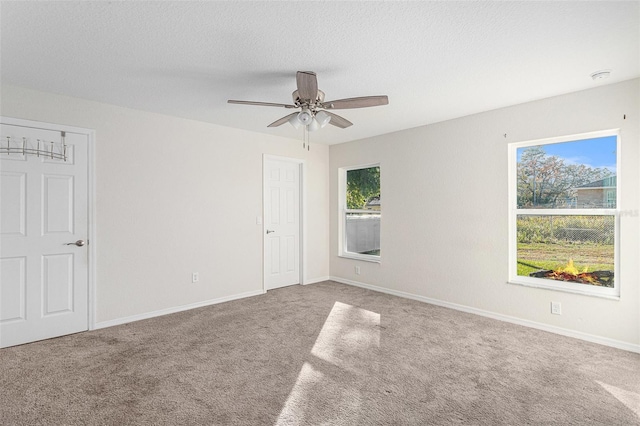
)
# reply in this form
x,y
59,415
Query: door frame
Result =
x,y
302,205
91,202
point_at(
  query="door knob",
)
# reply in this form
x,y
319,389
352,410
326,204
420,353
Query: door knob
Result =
x,y
78,243
269,231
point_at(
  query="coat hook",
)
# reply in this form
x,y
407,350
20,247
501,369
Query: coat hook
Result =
x,y
47,151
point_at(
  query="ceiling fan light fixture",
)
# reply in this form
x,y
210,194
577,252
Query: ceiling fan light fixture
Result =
x,y
313,125
295,122
304,117
323,118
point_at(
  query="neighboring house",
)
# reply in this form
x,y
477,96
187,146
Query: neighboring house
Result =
x,y
600,193
373,203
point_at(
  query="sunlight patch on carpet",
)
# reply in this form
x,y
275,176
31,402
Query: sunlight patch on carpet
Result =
x,y
319,398
630,399
347,345
348,337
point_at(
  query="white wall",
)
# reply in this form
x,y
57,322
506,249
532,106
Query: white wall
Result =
x,y
451,179
176,196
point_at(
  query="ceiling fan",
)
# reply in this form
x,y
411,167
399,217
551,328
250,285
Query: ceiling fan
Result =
x,y
310,100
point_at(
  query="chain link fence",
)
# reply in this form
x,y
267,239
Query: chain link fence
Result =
x,y
568,228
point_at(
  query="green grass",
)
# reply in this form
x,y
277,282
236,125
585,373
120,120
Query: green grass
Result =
x,y
536,256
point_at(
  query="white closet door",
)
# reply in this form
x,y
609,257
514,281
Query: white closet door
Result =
x,y
282,223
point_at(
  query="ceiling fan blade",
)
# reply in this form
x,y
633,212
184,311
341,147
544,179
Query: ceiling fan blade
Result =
x,y
362,102
338,121
281,121
307,85
231,101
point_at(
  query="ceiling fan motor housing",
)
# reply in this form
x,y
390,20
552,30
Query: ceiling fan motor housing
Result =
x,y
296,99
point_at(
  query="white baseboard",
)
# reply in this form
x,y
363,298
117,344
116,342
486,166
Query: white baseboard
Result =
x,y
514,320
172,310
316,280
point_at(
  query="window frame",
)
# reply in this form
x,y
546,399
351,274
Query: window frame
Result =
x,y
343,211
514,211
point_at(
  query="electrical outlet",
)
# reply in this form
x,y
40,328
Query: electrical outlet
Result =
x,y
556,308
357,270
195,277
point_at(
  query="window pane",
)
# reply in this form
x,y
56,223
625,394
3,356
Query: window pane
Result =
x,y
363,189
578,174
577,249
363,233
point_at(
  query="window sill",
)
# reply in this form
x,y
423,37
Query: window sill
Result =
x,y
585,292
364,258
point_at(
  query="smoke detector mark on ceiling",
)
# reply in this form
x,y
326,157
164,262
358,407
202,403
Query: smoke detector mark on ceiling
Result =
x,y
601,75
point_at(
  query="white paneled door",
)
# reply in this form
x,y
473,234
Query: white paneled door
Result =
x,y
44,231
281,223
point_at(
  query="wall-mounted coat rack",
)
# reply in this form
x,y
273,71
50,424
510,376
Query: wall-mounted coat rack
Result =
x,y
46,149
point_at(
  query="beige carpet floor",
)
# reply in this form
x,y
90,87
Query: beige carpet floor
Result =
x,y
320,354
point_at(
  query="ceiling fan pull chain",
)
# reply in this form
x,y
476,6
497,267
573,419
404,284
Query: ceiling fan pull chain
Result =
x,y
305,137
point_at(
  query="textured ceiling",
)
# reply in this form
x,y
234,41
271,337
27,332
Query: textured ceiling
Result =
x,y
435,60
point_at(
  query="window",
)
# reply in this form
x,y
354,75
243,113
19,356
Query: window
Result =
x,y
360,212
563,196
